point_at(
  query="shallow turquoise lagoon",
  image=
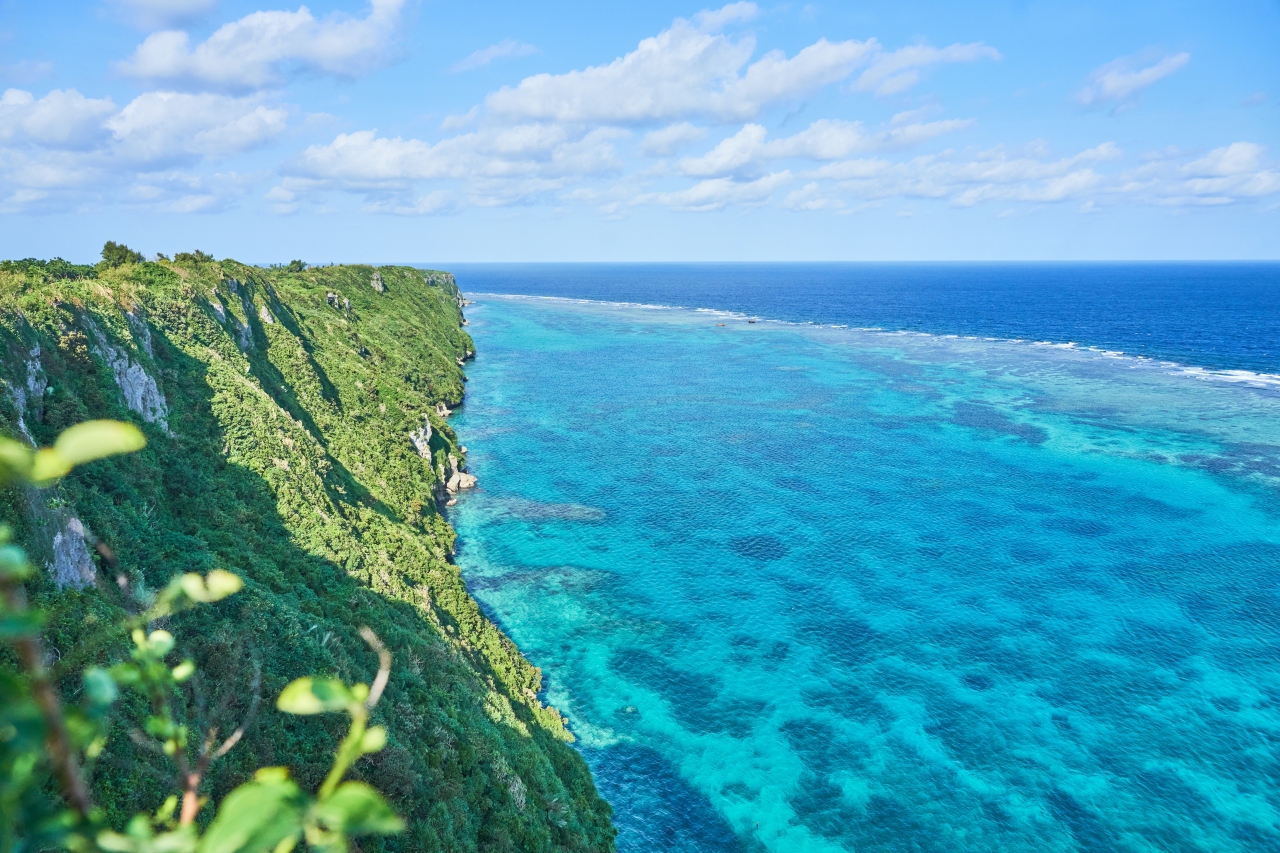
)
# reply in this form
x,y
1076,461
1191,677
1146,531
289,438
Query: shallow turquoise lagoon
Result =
x,y
805,589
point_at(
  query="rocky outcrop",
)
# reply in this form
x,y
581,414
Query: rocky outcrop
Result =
x,y
30,392
443,411
141,394
71,564
215,302
376,282
458,479
265,316
421,439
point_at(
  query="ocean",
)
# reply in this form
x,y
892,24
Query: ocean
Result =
x,y
929,557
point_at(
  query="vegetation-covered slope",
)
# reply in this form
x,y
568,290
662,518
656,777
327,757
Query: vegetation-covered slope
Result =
x,y
286,412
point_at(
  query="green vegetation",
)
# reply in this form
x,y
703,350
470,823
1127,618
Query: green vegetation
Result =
x,y
40,732
117,254
284,410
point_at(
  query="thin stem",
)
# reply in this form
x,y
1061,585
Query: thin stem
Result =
x,y
57,741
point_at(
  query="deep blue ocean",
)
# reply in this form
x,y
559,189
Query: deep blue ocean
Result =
x,y
928,558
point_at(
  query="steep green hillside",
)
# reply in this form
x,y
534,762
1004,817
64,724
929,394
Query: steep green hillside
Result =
x,y
294,438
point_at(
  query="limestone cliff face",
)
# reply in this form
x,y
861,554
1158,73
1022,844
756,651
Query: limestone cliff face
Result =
x,y
303,442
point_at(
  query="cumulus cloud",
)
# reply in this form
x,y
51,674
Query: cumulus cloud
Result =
x,y
681,73
1233,173
65,143
714,20
259,49
488,167
987,175
899,70
825,139
64,118
173,126
1120,82
505,49
717,193
669,139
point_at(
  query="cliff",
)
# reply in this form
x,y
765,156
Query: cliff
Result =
x,y
297,435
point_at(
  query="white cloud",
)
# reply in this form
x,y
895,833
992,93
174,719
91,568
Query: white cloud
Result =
x,y
64,118
987,175
153,14
1227,175
1233,173
680,73
1238,158
717,193
824,139
491,166
169,126
504,49
257,50
669,139
714,20
64,145
812,197
1120,82
891,73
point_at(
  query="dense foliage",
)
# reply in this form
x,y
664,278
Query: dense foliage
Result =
x,y
279,406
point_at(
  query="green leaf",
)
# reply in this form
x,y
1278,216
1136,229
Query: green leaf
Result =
x,y
15,460
220,584
97,439
99,686
14,625
315,696
84,443
13,563
215,586
357,809
375,738
254,818
160,642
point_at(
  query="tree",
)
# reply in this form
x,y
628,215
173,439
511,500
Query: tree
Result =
x,y
117,254
196,257
297,266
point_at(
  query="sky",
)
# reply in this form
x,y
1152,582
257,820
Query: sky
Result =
x,y
423,131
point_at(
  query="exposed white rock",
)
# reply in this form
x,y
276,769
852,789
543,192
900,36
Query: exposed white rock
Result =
x,y
265,316
215,302
71,564
421,439
458,479
461,480
31,392
244,335
376,282
141,394
442,410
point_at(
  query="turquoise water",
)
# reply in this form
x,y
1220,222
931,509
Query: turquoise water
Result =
x,y
809,589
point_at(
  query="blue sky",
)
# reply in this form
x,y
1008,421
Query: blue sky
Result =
x,y
418,130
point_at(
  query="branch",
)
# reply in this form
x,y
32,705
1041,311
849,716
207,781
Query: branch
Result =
x,y
384,666
61,754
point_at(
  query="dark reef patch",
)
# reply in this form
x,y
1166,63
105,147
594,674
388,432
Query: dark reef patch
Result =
x,y
759,547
